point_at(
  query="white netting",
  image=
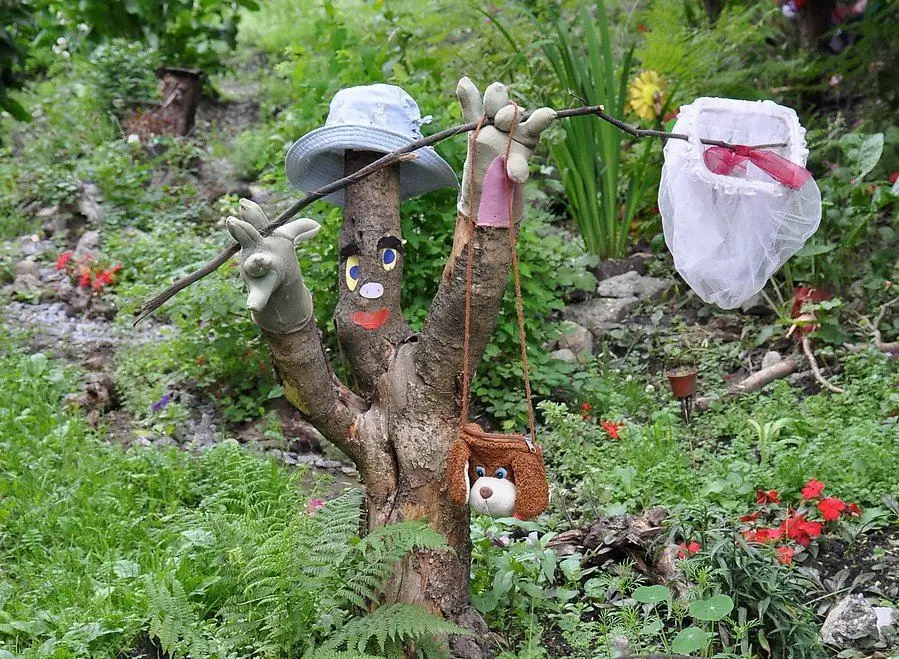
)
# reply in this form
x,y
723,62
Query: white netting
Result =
x,y
729,233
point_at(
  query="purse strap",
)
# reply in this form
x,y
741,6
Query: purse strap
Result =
x,y
519,305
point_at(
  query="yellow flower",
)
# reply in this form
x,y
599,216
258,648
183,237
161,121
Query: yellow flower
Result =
x,y
647,95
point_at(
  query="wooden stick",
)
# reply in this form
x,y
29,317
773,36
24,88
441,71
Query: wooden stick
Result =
x,y
824,382
783,368
401,154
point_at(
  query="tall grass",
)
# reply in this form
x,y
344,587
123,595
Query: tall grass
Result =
x,y
589,156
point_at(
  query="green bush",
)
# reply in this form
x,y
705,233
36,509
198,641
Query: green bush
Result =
x,y
184,32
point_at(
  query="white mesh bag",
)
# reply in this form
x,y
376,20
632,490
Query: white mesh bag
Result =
x,y
728,233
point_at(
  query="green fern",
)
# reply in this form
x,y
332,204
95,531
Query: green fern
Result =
x,y
390,628
287,582
171,615
372,560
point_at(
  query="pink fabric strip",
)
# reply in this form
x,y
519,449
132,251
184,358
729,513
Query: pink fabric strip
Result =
x,y
721,160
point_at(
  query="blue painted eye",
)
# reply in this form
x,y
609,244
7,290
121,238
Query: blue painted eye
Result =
x,y
354,272
480,471
388,258
501,473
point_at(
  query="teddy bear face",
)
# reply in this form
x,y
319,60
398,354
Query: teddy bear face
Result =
x,y
492,491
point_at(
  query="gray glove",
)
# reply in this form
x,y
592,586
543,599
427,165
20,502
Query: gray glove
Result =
x,y
278,298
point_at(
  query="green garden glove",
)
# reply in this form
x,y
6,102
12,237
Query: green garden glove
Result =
x,y
278,298
491,145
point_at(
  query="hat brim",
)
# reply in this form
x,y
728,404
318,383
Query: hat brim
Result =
x,y
317,159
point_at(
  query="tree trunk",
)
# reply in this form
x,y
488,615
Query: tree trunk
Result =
x,y
405,413
814,21
180,96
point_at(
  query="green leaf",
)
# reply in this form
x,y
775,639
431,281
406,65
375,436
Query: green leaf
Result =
x,y
865,156
14,108
689,640
651,594
812,249
713,609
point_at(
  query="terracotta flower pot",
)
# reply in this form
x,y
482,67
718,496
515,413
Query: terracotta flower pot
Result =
x,y
683,381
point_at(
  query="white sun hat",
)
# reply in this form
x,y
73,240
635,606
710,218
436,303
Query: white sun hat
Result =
x,y
379,118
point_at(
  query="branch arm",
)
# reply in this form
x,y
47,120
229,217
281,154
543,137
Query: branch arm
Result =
x,y
399,155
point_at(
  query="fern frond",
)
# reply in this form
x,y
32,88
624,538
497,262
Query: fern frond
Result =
x,y
392,627
371,561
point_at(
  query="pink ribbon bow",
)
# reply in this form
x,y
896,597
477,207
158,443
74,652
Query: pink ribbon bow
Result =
x,y
721,160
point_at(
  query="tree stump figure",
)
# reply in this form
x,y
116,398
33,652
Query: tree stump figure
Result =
x,y
397,427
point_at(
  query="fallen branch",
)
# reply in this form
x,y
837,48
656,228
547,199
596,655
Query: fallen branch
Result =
x,y
391,158
754,382
810,356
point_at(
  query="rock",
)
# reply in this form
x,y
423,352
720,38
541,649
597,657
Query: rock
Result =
x,y
601,313
27,267
95,362
633,284
576,338
28,287
852,623
755,306
888,624
608,268
87,246
771,358
565,355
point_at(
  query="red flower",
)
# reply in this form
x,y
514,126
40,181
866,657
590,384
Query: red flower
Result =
x,y
769,496
894,177
642,28
831,508
586,407
762,535
106,277
751,517
84,281
803,295
785,554
612,428
685,550
812,489
801,530
63,259
854,510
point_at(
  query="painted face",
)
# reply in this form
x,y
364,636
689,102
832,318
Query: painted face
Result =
x,y
368,275
492,490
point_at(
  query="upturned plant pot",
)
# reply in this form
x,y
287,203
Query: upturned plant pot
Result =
x,y
683,381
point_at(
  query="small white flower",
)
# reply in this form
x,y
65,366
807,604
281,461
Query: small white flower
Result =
x,y
84,28
62,42
133,138
650,388
629,378
66,54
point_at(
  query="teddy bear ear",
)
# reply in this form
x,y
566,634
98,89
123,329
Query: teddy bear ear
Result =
x,y
531,486
457,472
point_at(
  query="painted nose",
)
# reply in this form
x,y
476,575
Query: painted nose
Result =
x,y
486,492
371,291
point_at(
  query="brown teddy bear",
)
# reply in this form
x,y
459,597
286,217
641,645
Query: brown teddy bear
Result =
x,y
496,474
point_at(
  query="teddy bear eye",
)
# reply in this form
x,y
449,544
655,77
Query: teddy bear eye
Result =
x,y
501,472
480,471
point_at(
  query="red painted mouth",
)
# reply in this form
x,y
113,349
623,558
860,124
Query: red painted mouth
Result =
x,y
371,320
